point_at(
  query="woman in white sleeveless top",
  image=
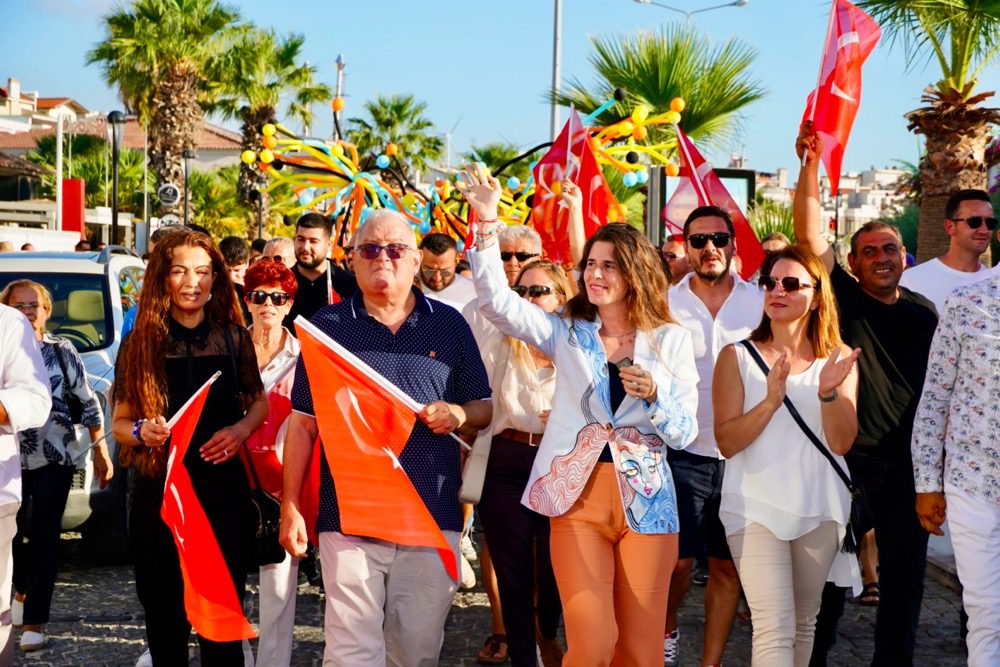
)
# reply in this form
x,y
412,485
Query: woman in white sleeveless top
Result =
x,y
784,509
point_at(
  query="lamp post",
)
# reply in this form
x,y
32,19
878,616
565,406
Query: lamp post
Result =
x,y
341,64
556,67
689,14
188,154
116,121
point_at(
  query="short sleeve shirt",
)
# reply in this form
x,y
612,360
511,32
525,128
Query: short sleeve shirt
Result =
x,y
432,357
895,341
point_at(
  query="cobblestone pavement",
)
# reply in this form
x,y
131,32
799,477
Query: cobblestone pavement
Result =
x,y
96,620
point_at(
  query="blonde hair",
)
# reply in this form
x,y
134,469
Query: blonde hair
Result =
x,y
44,296
563,289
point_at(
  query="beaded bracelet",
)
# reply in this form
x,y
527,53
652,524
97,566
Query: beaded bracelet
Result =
x,y
137,429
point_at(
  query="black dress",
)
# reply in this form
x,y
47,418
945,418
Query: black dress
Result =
x,y
193,355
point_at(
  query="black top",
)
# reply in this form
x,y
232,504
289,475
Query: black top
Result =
x,y
895,341
312,294
617,390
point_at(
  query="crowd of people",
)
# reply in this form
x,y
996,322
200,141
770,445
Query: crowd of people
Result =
x,y
633,414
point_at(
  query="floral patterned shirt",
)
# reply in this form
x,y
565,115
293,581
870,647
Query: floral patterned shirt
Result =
x,y
956,436
55,441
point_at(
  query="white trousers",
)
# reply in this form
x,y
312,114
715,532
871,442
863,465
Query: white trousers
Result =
x,y
8,528
278,588
386,604
783,581
975,536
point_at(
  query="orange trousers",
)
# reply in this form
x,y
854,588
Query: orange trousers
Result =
x,y
613,582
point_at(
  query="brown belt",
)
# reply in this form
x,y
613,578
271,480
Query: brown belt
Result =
x,y
520,436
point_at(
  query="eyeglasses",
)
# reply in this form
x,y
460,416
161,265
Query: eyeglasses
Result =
x,y
975,221
670,256
428,272
506,255
788,283
718,239
25,307
392,250
259,297
532,291
275,258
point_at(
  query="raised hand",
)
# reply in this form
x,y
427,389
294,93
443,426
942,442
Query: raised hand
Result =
x,y
481,190
836,370
808,143
776,379
571,196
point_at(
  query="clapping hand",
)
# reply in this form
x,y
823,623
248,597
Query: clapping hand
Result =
x,y
836,370
776,379
481,190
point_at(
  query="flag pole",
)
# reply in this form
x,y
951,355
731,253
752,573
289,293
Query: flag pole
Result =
x,y
695,180
177,415
569,139
822,60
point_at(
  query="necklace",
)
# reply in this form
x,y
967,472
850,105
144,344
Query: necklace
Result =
x,y
619,336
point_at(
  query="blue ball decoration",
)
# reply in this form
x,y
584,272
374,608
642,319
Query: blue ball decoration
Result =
x,y
642,177
425,227
461,246
513,182
382,162
630,179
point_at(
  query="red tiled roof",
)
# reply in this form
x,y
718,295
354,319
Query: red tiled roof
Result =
x,y
52,102
209,137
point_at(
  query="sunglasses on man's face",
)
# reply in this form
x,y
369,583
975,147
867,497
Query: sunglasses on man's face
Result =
x,y
428,272
718,239
274,258
976,221
788,283
506,255
532,291
259,297
392,250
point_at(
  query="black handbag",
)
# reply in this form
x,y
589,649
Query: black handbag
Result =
x,y
861,519
267,549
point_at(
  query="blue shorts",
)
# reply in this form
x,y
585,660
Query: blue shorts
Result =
x,y
698,480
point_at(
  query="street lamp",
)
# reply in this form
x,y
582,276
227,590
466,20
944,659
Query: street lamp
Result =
x,y
188,155
341,64
116,121
689,14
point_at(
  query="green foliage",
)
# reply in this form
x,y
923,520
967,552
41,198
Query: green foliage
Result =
x,y
961,36
769,216
397,119
907,223
679,61
497,153
218,207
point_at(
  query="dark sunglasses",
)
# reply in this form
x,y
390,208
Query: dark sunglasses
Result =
x,y
521,256
276,258
259,297
975,221
532,291
428,272
392,250
788,283
718,239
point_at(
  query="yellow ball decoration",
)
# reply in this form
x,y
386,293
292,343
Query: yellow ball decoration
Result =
x,y
672,117
626,127
268,130
266,156
640,113
677,104
248,157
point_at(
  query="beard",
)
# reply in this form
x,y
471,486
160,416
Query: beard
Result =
x,y
712,277
313,264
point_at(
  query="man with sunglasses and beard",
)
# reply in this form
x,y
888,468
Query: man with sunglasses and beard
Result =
x,y
438,277
970,222
894,327
321,282
718,308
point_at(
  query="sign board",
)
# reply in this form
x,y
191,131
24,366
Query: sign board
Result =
x,y
168,194
169,219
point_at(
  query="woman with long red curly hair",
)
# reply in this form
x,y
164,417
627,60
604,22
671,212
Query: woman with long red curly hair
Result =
x,y
188,327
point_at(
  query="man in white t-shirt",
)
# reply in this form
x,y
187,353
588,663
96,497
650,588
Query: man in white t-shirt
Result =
x,y
438,277
969,221
718,308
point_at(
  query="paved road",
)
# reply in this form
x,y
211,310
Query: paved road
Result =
x,y
96,620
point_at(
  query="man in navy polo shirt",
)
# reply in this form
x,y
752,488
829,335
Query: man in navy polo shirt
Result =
x,y
386,604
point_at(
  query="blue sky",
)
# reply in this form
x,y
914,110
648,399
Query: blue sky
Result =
x,y
485,66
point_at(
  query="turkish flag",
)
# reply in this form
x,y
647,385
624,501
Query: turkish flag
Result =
x,y
364,423
210,598
833,105
700,186
570,157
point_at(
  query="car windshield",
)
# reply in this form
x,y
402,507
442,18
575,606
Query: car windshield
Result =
x,y
81,311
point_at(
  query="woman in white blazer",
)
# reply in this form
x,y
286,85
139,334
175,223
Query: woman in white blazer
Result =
x,y
626,388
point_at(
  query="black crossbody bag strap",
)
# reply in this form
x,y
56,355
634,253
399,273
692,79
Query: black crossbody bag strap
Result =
x,y
801,422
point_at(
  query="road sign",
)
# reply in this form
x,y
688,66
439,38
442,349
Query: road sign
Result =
x,y
169,219
169,194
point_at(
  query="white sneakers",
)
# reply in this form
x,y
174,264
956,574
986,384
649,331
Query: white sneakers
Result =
x,y
33,641
671,648
468,549
468,580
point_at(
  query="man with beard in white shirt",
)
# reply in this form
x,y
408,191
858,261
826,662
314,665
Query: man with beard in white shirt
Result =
x,y
438,276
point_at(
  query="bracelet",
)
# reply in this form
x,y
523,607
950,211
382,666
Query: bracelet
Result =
x,y
831,398
137,429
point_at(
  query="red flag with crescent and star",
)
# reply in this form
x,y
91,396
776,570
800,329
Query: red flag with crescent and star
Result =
x,y
210,600
364,423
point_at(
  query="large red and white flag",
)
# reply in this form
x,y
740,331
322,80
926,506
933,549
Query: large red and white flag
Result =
x,y
364,422
699,185
570,157
832,106
210,598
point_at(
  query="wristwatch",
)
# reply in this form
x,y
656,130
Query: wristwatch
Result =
x,y
830,398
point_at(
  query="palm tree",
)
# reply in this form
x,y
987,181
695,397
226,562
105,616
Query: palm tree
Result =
x,y
157,53
496,154
676,62
399,120
257,72
962,37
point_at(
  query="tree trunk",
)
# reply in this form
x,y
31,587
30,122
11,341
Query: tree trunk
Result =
x,y
252,179
176,119
956,132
